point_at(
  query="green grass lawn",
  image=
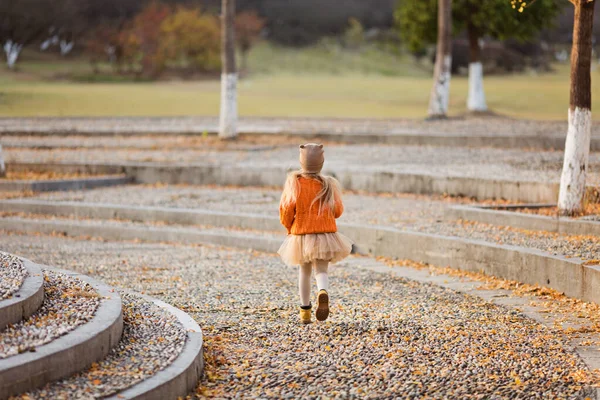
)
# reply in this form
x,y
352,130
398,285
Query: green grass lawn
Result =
x,y
291,85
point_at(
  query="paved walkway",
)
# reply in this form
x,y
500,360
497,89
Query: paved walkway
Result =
x,y
387,337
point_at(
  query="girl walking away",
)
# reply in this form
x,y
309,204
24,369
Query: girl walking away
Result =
x,y
310,204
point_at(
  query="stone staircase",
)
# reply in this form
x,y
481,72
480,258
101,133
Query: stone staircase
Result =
x,y
66,335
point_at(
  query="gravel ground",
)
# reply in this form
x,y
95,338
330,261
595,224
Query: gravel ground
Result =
x,y
454,126
12,275
488,163
68,303
152,339
386,338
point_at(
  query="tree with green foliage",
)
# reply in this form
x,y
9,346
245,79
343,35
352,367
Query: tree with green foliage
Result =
x,y
417,23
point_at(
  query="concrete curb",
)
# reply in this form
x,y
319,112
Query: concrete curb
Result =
x,y
371,181
26,300
568,275
534,222
63,184
248,129
145,233
70,353
172,215
589,355
179,378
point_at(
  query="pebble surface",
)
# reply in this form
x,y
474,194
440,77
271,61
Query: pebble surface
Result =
x,y
68,303
152,339
386,337
12,275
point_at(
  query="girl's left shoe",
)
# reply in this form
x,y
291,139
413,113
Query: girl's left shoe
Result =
x,y
322,305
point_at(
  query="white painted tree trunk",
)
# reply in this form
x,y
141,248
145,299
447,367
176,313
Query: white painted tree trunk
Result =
x,y
66,47
476,100
577,150
228,116
12,51
438,103
2,166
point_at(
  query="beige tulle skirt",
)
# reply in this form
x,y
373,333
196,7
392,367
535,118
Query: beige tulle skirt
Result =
x,y
303,249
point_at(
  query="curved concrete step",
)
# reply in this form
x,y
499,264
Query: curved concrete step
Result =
x,y
179,378
26,300
163,369
69,353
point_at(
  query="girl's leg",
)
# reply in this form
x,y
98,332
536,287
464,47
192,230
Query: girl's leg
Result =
x,y
321,267
323,284
304,273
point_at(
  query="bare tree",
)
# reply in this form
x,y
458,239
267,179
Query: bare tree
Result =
x,y
229,114
438,100
577,146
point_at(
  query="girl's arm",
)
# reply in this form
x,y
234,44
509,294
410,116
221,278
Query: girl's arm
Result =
x,y
339,207
287,213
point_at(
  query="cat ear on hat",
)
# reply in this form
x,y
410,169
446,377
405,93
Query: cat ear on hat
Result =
x,y
320,146
301,146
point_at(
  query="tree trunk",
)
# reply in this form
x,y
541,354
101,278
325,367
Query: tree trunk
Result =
x,y
12,51
438,101
2,166
228,117
476,100
577,146
66,47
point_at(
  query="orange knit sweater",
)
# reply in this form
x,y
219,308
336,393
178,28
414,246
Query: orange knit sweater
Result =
x,y
300,218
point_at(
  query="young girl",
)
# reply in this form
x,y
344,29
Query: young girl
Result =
x,y
310,204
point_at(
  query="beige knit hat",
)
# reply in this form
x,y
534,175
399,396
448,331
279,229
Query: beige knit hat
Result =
x,y
312,157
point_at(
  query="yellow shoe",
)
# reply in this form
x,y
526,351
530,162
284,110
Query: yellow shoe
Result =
x,y
322,305
306,315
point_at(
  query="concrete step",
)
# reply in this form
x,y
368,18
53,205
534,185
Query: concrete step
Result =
x,y
52,185
151,232
45,355
27,299
163,345
373,181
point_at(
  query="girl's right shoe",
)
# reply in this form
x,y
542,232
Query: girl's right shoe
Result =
x,y
322,305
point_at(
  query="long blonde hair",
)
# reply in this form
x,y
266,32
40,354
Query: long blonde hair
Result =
x,y
331,190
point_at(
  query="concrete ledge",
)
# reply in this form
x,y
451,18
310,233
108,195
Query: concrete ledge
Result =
x,y
371,181
63,184
193,127
26,300
144,233
172,215
568,275
70,353
489,215
179,378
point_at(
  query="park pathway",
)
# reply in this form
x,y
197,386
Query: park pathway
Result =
x,y
387,337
